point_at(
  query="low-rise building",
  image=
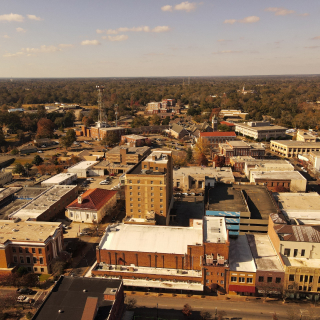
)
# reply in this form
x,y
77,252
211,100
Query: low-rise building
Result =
x,y
127,155
29,244
170,258
314,159
92,206
47,205
5,177
259,130
226,113
214,138
83,298
178,131
60,179
134,140
306,136
291,149
28,149
100,131
238,163
194,177
85,169
43,142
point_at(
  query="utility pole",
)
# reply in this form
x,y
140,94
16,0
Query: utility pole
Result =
x,y
116,108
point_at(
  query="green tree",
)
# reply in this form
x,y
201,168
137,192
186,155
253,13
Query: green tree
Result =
x,y
37,160
224,128
110,139
27,167
68,139
18,169
15,151
166,121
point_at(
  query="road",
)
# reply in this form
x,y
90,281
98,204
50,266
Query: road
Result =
x,y
250,310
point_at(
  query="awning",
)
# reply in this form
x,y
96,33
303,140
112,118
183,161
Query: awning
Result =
x,y
236,288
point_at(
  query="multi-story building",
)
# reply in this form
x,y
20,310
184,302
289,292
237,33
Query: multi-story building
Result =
x,y
306,136
259,130
232,114
100,131
92,206
47,205
165,106
170,258
291,149
31,244
127,155
134,140
238,163
314,159
178,131
214,138
149,189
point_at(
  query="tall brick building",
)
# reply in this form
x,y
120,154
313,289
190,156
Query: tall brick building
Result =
x,y
149,189
191,258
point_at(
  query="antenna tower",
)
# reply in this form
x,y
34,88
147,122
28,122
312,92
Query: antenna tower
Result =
x,y
100,90
116,108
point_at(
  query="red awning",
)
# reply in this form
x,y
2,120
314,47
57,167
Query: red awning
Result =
x,y
233,287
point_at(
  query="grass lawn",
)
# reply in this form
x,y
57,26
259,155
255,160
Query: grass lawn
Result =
x,y
44,277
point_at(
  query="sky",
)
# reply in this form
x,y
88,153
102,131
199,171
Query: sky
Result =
x,y
158,38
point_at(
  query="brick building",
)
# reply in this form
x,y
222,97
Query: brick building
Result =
x,y
214,138
149,189
30,244
127,155
134,140
191,258
98,133
165,106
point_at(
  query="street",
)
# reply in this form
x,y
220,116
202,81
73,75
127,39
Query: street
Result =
x,y
249,310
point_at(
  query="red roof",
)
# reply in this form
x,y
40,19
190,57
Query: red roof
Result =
x,y
93,199
237,288
217,134
227,123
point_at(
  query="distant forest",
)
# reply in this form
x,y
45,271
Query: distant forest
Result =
x,y
290,101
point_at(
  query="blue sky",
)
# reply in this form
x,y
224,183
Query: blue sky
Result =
x,y
131,38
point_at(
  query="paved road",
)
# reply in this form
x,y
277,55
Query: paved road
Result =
x,y
250,310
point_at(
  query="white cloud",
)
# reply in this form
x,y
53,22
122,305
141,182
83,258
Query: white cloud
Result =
x,y
134,29
121,37
186,6
279,11
304,14
90,43
42,49
65,45
230,21
251,19
316,38
21,30
33,17
226,52
11,17
6,36
12,55
167,8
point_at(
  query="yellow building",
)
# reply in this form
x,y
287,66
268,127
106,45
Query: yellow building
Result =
x,y
149,190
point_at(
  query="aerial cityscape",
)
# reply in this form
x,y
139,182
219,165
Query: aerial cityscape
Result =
x,y
159,160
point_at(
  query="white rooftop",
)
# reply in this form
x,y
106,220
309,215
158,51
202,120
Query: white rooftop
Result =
x,y
278,175
147,238
134,136
301,262
214,230
59,178
240,256
160,156
83,165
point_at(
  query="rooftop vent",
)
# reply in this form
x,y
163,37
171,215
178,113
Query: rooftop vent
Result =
x,y
60,311
84,290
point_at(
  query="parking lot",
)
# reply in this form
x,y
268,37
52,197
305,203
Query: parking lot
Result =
x,y
94,182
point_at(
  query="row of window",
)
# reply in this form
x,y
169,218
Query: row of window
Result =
x,y
218,273
28,259
35,269
151,194
269,279
26,250
241,279
303,278
152,199
210,281
139,210
139,205
138,181
151,188
287,252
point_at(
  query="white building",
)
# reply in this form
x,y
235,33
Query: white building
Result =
x,y
85,169
59,179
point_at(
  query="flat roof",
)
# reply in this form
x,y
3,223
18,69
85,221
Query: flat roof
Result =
x,y
240,256
111,128
41,203
237,144
217,134
297,144
134,136
263,253
261,128
26,231
300,262
149,238
214,230
278,175
269,163
6,192
130,150
58,178
83,165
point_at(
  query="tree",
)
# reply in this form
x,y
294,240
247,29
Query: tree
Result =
x,y
14,151
20,135
166,121
179,159
201,148
87,121
187,310
18,169
189,156
205,315
110,139
155,120
37,160
221,314
68,139
131,303
27,167
224,128
219,160
45,128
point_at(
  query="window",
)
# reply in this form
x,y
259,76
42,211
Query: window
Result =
x,y
71,214
138,181
311,279
40,251
131,204
278,280
130,188
151,188
41,260
139,210
21,260
300,288
152,194
151,182
290,287
131,210
306,278
131,199
139,199
160,182
309,288
152,206
160,194
14,249
87,215
20,250
287,252
161,188
152,199
130,193
295,252
291,277
249,280
303,252
207,281
161,206
261,279
222,274
145,166
242,280
15,259
28,260
42,269
34,260
269,279
221,282
27,250
35,269
130,181
161,211
301,278
208,273
161,200
233,279
138,188
139,193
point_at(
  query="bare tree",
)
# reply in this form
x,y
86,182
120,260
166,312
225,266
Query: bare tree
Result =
x,y
187,310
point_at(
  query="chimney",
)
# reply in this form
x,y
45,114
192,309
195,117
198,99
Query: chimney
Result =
x,y
110,294
80,199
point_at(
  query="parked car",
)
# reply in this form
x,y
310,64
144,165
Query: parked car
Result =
x,y
24,290
39,151
43,146
104,182
90,179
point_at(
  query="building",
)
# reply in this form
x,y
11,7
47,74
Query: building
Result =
x,y
28,149
259,130
241,148
92,206
165,106
299,208
238,163
48,205
167,258
214,138
292,181
178,131
100,131
5,177
231,125
269,269
29,244
306,136
7,195
82,298
149,189
187,178
44,142
60,179
246,207
314,159
85,169
238,114
291,149
134,140
16,110
242,274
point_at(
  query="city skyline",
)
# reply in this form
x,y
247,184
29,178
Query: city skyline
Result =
x,y
154,39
